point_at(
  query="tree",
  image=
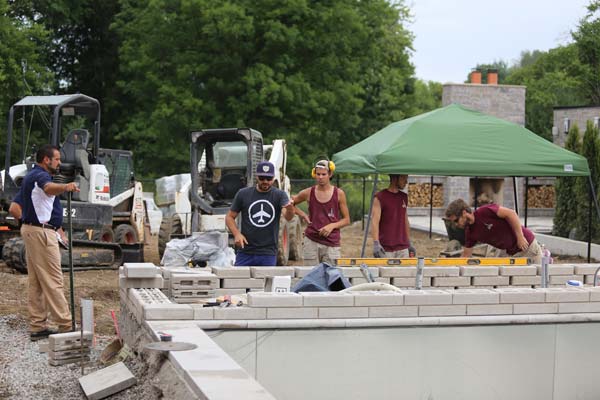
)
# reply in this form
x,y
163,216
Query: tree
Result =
x,y
565,213
590,149
320,74
587,42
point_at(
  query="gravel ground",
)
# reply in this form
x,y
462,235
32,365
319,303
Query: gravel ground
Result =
x,y
26,374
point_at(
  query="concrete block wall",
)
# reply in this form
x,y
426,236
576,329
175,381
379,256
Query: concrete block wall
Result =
x,y
575,115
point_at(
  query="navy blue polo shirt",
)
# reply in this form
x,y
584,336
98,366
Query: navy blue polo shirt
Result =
x,y
38,207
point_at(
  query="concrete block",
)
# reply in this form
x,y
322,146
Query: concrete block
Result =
x,y
576,308
156,282
293,313
520,295
529,270
441,271
358,281
247,283
223,292
263,272
140,270
594,293
478,271
442,311
68,340
201,312
154,312
557,269
393,311
562,279
585,269
194,281
56,363
68,354
327,299
107,381
535,308
240,313
231,272
354,272
566,295
192,293
427,297
490,281
450,281
300,272
168,271
271,299
343,312
397,272
363,299
520,280
588,279
489,309
410,282
475,296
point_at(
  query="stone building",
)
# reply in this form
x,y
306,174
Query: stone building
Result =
x,y
565,117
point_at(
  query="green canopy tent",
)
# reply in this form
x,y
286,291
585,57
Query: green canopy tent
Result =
x,y
457,141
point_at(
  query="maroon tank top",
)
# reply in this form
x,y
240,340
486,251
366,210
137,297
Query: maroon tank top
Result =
x,y
392,224
322,214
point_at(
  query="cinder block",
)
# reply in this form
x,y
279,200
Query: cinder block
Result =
x,y
535,308
442,311
393,311
475,296
516,280
231,272
301,272
478,271
343,312
557,269
451,281
354,272
271,299
192,293
489,309
585,269
156,282
529,270
68,340
441,271
566,295
223,292
327,299
427,297
520,295
490,281
248,283
154,312
69,354
107,381
576,308
205,280
362,299
240,313
588,279
263,272
397,272
140,270
201,312
410,282
594,293
293,313
562,279
56,363
358,281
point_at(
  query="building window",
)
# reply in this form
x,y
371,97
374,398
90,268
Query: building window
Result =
x,y
567,125
596,119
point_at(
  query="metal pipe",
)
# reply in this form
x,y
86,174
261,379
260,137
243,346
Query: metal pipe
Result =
x,y
589,223
430,206
475,191
363,202
526,190
362,251
419,276
596,276
544,271
515,194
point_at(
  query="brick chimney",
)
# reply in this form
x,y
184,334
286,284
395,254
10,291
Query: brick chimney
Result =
x,y
492,76
475,77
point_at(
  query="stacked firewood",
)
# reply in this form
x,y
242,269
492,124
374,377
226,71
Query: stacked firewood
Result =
x,y
419,195
540,196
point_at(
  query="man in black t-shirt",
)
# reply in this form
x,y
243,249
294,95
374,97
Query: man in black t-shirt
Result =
x,y
261,207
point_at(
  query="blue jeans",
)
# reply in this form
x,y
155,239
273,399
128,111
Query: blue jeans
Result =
x,y
254,260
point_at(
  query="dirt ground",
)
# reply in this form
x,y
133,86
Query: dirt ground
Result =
x,y
103,286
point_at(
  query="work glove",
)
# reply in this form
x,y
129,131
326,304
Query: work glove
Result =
x,y
412,252
378,250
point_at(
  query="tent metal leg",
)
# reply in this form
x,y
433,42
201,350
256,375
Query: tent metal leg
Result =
x,y
363,202
515,194
526,190
362,251
430,206
595,199
475,193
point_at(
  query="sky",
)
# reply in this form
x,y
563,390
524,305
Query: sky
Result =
x,y
453,36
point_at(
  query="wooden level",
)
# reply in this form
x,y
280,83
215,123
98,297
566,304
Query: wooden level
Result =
x,y
401,262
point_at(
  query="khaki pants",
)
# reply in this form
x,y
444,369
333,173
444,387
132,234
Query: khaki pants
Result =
x,y
533,252
45,279
397,254
315,253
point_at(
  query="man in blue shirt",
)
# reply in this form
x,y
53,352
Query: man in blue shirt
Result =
x,y
41,216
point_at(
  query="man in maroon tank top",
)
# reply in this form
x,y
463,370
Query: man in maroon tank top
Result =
x,y
327,213
390,229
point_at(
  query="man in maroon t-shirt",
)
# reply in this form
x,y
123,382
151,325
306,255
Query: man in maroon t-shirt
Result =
x,y
390,220
494,225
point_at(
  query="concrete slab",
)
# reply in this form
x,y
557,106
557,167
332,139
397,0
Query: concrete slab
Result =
x,y
427,297
490,281
475,296
231,272
489,309
354,272
520,295
439,311
478,271
343,312
535,308
362,299
450,281
410,282
270,299
358,281
564,295
247,283
156,282
263,272
393,311
441,271
511,270
293,313
167,311
397,272
327,299
107,381
140,270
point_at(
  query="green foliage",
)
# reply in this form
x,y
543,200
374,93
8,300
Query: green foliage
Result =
x,y
565,213
587,42
321,75
591,150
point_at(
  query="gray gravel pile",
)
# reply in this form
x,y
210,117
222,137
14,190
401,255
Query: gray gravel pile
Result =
x,y
26,374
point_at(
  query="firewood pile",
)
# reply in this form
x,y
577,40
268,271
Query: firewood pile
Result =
x,y
418,195
540,196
